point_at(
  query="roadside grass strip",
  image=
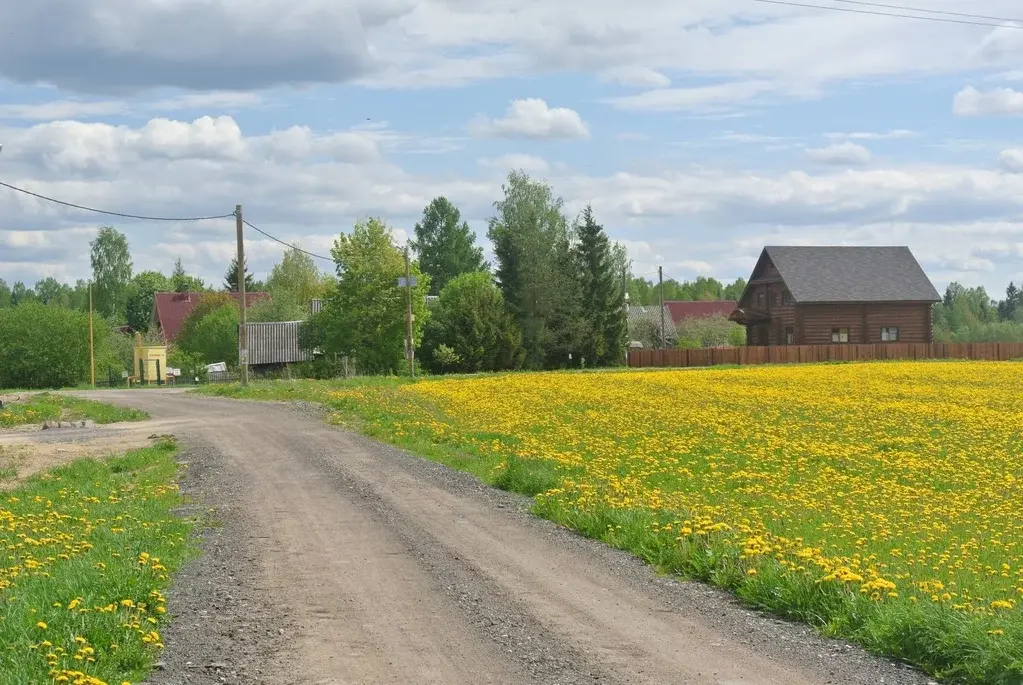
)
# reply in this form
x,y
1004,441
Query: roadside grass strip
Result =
x,y
88,552
51,407
881,502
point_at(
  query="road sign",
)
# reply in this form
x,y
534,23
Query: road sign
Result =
x,y
411,282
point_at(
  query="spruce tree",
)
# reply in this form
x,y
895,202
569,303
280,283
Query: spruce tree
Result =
x,y
231,277
445,245
605,333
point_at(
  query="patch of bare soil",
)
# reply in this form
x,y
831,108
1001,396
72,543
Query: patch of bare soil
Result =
x,y
25,452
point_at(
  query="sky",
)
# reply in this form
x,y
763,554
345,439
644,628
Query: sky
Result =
x,y
699,131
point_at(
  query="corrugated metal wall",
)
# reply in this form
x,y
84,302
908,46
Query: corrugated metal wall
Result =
x,y
275,343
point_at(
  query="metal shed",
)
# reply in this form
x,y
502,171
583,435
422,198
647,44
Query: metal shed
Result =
x,y
275,343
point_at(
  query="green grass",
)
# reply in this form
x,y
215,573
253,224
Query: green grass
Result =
x,y
50,407
90,549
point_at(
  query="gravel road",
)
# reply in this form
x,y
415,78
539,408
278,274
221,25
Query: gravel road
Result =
x,y
336,560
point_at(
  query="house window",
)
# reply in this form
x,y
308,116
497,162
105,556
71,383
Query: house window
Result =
x,y
786,298
890,334
790,335
760,299
839,335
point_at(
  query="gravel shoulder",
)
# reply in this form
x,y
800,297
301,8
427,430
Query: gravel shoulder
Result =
x,y
339,560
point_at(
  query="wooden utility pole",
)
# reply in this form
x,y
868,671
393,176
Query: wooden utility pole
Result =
x,y
625,309
243,333
409,347
92,354
660,290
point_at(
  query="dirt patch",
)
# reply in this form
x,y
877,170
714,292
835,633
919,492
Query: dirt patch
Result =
x,y
27,451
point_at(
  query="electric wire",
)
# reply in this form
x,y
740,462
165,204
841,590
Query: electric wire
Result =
x,y
944,20
109,213
904,8
294,247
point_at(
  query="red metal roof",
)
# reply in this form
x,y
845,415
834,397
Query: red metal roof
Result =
x,y
691,310
171,309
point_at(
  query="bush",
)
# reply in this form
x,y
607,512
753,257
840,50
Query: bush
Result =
x,y
48,347
211,331
710,331
470,330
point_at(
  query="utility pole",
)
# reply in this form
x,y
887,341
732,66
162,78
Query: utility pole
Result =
x,y
409,347
660,289
243,333
625,309
92,355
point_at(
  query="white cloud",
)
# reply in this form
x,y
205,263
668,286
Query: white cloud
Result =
x,y
840,153
894,134
702,97
531,164
532,118
1012,160
970,102
76,109
635,76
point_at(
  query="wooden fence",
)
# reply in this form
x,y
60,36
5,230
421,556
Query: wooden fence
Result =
x,y
800,354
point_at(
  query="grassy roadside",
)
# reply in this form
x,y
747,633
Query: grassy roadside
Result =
x,y
50,407
876,507
89,551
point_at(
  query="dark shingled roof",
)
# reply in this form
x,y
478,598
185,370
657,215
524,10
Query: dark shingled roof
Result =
x,y
852,274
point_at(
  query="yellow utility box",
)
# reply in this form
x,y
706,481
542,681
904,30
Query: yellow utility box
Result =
x,y
150,364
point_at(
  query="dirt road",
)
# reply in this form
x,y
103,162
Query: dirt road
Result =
x,y
338,560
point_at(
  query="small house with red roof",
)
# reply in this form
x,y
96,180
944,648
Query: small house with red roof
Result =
x,y
171,309
681,310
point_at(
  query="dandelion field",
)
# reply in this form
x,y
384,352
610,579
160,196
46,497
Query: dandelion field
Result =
x,y
88,552
878,502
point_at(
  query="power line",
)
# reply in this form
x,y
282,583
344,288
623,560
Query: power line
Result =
x,y
294,247
889,14
120,214
967,15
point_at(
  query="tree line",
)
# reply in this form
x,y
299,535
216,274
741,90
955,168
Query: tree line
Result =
x,y
554,298
971,315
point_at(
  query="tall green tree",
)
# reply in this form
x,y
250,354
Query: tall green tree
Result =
x,y
50,291
5,294
182,282
534,270
79,298
20,294
141,293
1012,305
231,277
445,245
364,315
470,319
296,281
606,325
111,272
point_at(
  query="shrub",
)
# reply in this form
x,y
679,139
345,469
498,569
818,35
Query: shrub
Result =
x,y
709,331
211,331
48,347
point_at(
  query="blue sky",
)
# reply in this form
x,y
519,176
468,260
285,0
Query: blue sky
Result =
x,y
699,131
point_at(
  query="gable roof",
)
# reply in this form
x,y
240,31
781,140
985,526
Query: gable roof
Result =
x,y
636,315
852,274
171,309
681,310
